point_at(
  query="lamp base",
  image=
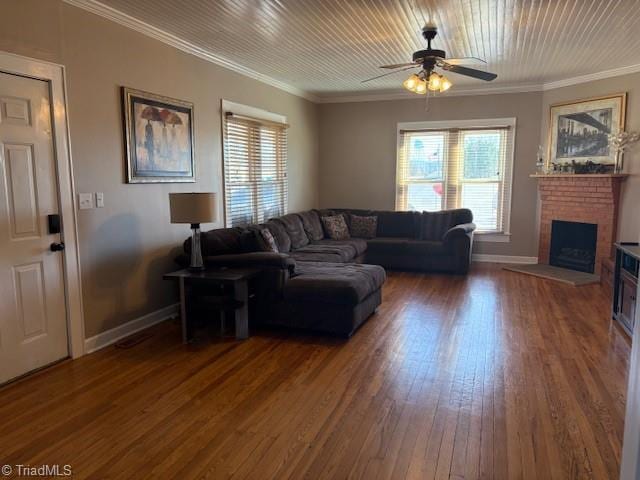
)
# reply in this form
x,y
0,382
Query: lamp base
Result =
x,y
196,265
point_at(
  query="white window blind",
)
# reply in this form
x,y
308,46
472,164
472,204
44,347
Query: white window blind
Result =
x,y
255,170
440,169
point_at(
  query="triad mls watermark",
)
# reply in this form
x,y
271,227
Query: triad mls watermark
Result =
x,y
20,470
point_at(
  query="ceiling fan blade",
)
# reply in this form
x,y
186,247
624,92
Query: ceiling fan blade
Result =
x,y
399,65
469,72
466,61
389,73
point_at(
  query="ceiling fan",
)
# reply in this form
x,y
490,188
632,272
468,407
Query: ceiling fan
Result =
x,y
427,60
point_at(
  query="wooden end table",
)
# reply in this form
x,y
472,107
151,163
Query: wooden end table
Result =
x,y
238,278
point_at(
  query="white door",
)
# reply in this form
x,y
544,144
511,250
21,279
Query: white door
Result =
x,y
33,326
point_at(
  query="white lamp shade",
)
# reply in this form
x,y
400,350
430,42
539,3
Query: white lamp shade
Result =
x,y
192,207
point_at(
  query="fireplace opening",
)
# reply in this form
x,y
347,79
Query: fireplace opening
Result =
x,y
573,245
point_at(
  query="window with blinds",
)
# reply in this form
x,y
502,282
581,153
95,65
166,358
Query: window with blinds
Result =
x,y
255,170
458,167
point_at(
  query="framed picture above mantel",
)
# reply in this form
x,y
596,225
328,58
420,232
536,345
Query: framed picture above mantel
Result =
x,y
159,138
579,134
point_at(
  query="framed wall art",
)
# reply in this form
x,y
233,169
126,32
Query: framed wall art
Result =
x,y
159,138
579,134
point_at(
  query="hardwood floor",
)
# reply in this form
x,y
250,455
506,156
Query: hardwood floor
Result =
x,y
497,375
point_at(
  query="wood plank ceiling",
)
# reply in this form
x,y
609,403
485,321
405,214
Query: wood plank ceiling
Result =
x,y
327,47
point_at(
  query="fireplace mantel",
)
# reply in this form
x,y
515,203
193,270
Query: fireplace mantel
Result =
x,y
579,175
584,198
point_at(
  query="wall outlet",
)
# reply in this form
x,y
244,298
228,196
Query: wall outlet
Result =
x,y
99,199
85,201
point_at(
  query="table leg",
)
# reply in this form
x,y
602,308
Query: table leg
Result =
x,y
241,293
183,312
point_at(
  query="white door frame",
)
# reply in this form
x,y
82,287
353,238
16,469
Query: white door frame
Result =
x,y
54,75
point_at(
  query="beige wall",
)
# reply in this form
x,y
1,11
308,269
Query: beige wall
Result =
x,y
127,246
629,217
358,154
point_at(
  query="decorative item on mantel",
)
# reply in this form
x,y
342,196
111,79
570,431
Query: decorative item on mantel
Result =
x,y
541,167
620,142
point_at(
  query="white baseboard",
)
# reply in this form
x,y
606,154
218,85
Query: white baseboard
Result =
x,y
483,257
109,337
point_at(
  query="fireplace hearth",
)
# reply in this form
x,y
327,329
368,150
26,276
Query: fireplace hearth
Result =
x,y
573,245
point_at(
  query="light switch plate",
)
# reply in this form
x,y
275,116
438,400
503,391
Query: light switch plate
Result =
x,y
85,201
99,199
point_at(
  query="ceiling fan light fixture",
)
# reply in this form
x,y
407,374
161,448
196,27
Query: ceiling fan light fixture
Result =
x,y
421,87
434,82
445,84
411,83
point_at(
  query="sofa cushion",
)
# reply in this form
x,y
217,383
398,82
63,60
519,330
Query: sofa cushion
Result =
x,y
363,227
359,245
293,226
327,251
387,245
356,211
221,241
253,260
398,224
312,225
336,227
334,283
326,212
327,256
280,234
421,248
405,246
266,241
433,225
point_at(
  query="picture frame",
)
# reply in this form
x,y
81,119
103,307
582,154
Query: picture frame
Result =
x,y
159,138
578,134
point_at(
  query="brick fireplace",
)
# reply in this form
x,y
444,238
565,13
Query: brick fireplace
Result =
x,y
585,199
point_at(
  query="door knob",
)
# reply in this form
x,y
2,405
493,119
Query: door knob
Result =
x,y
57,247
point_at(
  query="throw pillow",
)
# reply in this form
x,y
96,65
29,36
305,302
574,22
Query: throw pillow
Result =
x,y
266,241
336,227
363,227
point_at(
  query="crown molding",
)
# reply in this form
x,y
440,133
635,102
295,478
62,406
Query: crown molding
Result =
x,y
139,26
591,77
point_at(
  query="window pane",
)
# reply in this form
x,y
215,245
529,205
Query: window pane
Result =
x,y
424,196
426,157
482,155
241,195
267,155
270,201
482,200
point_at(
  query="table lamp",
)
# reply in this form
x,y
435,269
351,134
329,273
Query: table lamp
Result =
x,y
193,208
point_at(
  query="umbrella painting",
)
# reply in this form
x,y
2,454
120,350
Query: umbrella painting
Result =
x,y
159,135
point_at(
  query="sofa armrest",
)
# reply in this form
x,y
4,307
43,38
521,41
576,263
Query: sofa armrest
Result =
x,y
459,230
253,259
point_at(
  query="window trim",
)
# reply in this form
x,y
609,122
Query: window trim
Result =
x,y
247,111
505,235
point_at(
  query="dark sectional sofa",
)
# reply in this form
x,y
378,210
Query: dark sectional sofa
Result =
x,y
316,283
